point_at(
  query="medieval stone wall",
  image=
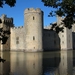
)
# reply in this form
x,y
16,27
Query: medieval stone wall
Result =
x,y
17,38
50,40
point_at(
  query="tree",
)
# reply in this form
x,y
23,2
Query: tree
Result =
x,y
63,8
3,33
11,3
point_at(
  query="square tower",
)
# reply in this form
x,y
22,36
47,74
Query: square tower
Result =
x,y
6,24
65,36
66,39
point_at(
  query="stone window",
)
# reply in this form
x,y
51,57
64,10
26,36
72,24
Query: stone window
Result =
x,y
63,63
33,18
33,38
63,57
54,41
69,41
17,40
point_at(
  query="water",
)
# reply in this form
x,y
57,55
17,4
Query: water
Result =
x,y
40,63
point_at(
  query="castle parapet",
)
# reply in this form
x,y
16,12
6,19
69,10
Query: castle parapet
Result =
x,y
5,19
31,10
17,27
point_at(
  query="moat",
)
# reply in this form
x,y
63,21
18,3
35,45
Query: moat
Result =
x,y
40,63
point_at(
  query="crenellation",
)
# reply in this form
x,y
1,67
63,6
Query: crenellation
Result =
x,y
5,19
8,20
20,27
32,10
38,9
3,16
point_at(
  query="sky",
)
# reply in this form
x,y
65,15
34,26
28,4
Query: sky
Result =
x,y
17,12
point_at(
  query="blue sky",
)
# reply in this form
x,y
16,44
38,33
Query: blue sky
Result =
x,y
17,12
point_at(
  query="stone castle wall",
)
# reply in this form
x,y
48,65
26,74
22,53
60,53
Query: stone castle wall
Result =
x,y
51,40
17,38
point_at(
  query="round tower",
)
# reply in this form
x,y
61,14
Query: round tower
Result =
x,y
33,29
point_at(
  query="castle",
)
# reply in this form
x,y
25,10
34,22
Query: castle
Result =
x,y
33,37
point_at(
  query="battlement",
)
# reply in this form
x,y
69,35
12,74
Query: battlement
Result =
x,y
3,16
5,19
29,10
17,27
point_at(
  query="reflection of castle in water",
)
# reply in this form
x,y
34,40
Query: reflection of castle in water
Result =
x,y
66,63
20,63
26,63
51,62
5,67
33,63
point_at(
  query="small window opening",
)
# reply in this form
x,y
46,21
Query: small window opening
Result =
x,y
33,38
69,41
33,18
54,41
34,65
17,40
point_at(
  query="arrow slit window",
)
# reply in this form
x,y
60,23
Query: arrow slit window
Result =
x,y
17,40
33,18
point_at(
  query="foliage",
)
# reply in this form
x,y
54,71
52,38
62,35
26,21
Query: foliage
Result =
x,y
11,3
63,8
4,34
2,60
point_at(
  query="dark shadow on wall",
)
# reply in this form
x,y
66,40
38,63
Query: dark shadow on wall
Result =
x,y
73,40
74,58
51,40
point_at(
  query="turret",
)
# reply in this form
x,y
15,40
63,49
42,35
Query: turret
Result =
x,y
33,24
7,21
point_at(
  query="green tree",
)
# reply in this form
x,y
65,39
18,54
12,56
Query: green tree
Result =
x,y
63,8
11,3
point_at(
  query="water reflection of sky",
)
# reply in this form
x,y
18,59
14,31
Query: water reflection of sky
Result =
x,y
41,63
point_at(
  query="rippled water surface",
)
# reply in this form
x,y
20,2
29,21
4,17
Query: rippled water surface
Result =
x,y
40,63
